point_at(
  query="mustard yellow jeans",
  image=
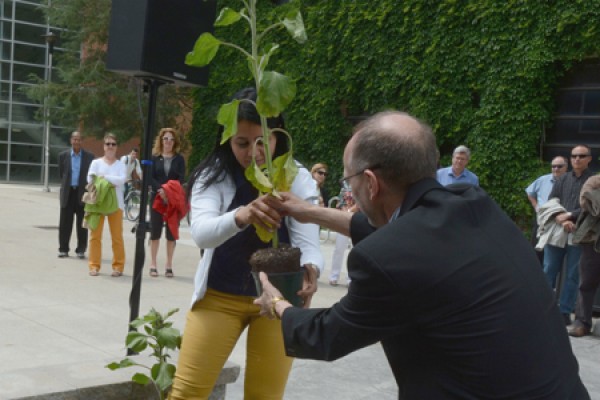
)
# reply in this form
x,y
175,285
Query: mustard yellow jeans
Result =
x,y
213,326
115,224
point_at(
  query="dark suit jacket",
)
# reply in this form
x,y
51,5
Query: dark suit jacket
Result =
x,y
64,171
159,177
456,296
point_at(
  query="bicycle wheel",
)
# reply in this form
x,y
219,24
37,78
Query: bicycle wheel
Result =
x,y
132,206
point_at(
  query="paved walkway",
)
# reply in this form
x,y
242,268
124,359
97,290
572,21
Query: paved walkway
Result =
x,y
59,326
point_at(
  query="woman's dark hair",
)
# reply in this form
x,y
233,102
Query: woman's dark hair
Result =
x,y
221,160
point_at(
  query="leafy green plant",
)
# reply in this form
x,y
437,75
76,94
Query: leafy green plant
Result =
x,y
275,92
161,337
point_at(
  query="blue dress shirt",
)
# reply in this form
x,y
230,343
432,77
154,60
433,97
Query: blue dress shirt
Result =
x,y
446,177
75,167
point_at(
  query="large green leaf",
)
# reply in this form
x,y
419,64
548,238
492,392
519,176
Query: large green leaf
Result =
x,y
257,178
227,16
285,170
295,26
140,378
275,92
163,375
205,49
168,337
227,117
136,341
264,234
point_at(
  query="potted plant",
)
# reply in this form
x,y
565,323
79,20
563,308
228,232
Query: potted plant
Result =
x,y
161,337
275,92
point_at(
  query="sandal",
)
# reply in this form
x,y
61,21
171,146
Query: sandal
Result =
x,y
93,272
116,274
169,273
153,272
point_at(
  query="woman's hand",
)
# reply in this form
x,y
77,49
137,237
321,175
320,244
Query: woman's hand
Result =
x,y
258,212
310,284
163,195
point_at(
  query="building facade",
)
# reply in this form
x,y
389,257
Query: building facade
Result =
x,y
24,54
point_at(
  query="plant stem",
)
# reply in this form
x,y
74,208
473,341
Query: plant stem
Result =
x,y
256,71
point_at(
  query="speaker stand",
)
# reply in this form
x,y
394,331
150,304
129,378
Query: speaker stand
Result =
x,y
153,84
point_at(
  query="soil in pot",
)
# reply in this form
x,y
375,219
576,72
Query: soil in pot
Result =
x,y
282,265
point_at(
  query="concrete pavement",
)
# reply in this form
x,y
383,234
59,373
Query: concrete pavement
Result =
x,y
59,326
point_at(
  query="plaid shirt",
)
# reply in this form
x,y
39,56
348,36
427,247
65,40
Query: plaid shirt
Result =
x,y
567,189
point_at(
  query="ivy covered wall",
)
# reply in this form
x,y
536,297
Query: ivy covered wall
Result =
x,y
482,73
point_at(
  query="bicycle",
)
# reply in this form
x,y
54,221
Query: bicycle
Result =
x,y
132,201
324,233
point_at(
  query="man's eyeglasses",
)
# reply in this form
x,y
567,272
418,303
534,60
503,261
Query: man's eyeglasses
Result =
x,y
580,155
322,173
110,144
558,166
346,180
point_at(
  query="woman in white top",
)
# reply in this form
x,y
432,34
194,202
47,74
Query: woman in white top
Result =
x,y
223,206
110,168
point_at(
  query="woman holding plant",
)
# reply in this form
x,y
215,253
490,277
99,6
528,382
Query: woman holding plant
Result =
x,y
224,207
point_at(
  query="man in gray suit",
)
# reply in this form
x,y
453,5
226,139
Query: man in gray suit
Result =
x,y
73,165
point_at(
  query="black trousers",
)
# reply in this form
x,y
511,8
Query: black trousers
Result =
x,y
65,225
589,282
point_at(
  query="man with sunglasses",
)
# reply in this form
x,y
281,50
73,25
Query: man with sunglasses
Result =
x,y
441,277
567,189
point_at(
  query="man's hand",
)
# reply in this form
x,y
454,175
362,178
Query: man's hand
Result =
x,y
269,300
293,206
568,226
309,285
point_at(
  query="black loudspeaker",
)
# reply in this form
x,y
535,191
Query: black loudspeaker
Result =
x,y
152,37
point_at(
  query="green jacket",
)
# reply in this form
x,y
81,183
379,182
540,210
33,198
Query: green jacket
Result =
x,y
105,202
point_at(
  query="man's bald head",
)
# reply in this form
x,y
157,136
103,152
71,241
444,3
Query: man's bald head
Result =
x,y
400,147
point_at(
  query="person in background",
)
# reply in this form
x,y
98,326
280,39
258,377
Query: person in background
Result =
x,y
134,169
538,192
73,166
341,241
113,170
458,172
567,190
540,189
319,174
441,277
224,207
167,164
589,263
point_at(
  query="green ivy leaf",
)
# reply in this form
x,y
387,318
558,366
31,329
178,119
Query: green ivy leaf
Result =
x,y
275,92
295,26
227,16
257,178
227,117
205,49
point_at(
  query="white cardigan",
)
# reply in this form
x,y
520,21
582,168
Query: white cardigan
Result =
x,y
212,224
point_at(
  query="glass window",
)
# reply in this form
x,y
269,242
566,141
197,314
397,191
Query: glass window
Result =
x,y
3,130
569,102
592,103
6,31
27,133
60,137
22,72
30,54
5,50
24,113
3,168
27,153
26,173
29,13
3,152
29,33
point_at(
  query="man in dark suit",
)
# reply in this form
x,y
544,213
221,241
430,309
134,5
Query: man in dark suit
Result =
x,y
440,276
73,166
